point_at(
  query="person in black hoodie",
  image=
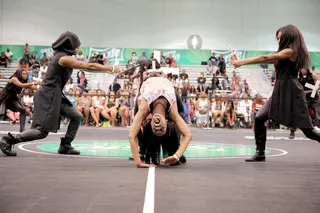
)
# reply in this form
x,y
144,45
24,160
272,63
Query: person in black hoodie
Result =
x,y
50,102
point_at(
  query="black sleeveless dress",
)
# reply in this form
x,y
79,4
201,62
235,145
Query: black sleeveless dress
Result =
x,y
8,95
288,101
49,97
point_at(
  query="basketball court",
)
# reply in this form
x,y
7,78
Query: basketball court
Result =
x,y
214,179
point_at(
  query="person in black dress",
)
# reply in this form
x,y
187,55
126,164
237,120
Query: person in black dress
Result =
x,y
288,104
49,101
305,76
9,95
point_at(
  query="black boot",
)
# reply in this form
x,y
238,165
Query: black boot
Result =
x,y
292,134
260,134
7,143
258,156
66,148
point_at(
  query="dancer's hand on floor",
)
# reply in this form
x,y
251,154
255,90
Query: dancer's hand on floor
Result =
x,y
143,165
169,160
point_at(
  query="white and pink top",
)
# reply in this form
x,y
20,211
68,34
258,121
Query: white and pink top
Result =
x,y
155,87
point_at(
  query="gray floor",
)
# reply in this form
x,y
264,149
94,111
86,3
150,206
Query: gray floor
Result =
x,y
52,184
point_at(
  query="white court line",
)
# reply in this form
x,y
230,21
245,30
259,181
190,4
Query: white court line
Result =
x,y
21,146
148,206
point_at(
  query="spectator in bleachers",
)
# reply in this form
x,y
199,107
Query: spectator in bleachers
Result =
x,y
115,86
184,74
221,64
23,63
72,98
9,55
124,104
256,106
80,56
202,110
213,59
247,90
230,114
162,60
200,88
100,58
110,110
183,81
174,81
83,105
201,79
43,70
217,110
170,60
209,90
215,84
134,58
34,60
143,58
13,116
82,80
26,52
236,89
94,58
244,110
3,60
212,68
27,100
44,60
235,77
313,69
106,59
1,88
97,106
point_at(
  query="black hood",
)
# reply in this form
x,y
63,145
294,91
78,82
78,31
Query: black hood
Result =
x,y
67,42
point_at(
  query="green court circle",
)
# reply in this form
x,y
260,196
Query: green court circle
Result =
x,y
121,148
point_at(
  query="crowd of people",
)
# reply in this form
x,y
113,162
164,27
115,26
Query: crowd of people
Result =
x,y
220,101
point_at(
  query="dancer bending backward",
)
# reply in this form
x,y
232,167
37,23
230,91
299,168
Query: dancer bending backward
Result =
x,y
157,96
49,101
287,105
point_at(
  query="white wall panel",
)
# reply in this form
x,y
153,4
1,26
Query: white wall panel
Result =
x,y
244,24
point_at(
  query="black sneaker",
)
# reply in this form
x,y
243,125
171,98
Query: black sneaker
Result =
x,y
257,157
67,149
6,144
292,135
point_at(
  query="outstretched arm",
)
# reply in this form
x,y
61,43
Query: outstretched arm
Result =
x,y
71,62
18,83
185,132
271,58
134,130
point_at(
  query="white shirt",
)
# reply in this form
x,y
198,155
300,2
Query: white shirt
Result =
x,y
43,69
28,99
8,54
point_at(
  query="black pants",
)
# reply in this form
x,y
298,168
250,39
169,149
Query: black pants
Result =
x,y
66,111
260,131
16,106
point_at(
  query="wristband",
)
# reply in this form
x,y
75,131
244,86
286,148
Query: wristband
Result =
x,y
176,157
113,68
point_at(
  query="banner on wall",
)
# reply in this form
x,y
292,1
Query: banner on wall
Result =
x,y
123,55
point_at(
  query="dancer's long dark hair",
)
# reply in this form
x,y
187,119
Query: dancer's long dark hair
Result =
x,y
292,38
18,75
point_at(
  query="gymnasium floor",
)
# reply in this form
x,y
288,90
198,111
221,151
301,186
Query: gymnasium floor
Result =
x,y
215,178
